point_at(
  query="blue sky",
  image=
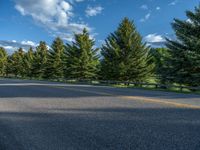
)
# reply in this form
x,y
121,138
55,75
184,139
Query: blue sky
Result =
x,y
26,22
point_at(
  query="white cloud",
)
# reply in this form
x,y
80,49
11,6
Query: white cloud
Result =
x,y
9,47
154,38
66,6
146,17
13,45
189,21
79,0
173,2
93,11
30,43
20,9
54,15
158,8
144,7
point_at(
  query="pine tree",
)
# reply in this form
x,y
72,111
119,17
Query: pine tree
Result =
x,y
40,60
125,57
159,57
28,62
55,64
9,67
3,61
81,57
183,66
14,64
17,63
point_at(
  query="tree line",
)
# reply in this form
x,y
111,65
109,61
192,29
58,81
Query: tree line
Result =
x,y
123,57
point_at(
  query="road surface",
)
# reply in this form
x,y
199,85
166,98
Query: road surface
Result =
x,y
54,116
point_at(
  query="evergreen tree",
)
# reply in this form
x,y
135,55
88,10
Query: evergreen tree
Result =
x,y
17,63
21,65
40,60
55,64
159,57
125,57
3,61
28,62
14,64
183,66
9,67
81,57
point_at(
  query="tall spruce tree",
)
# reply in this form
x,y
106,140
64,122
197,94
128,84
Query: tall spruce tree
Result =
x,y
55,64
81,57
9,66
159,57
13,64
28,62
184,64
125,57
17,63
3,61
40,60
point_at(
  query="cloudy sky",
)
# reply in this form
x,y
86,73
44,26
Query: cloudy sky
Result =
x,y
26,22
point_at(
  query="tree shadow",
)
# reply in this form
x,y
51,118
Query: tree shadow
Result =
x,y
77,91
103,128
44,89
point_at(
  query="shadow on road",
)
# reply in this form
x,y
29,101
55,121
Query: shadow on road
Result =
x,y
73,91
77,91
106,128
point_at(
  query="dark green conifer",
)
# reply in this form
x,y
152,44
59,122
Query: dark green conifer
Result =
x,y
125,56
81,57
183,65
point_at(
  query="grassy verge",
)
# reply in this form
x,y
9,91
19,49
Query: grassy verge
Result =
x,y
148,87
151,88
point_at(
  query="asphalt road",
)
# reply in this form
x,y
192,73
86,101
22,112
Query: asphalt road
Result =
x,y
52,116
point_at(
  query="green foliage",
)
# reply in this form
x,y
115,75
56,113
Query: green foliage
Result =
x,y
40,60
9,67
183,66
159,57
81,57
28,62
125,57
3,61
55,64
17,63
